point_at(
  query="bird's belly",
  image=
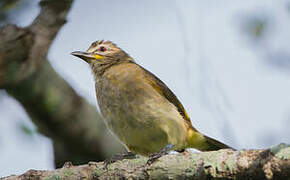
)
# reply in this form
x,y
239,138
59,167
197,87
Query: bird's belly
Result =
x,y
144,129
142,136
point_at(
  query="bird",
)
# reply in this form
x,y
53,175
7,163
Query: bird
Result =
x,y
137,107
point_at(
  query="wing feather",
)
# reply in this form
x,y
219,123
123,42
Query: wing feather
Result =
x,y
163,90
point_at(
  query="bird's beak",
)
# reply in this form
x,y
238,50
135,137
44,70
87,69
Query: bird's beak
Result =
x,y
88,57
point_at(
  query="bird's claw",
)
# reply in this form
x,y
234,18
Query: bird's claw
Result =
x,y
153,157
118,157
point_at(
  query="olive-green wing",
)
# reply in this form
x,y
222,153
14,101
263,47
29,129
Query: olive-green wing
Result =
x,y
162,89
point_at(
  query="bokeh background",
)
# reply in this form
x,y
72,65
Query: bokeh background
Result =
x,y
227,61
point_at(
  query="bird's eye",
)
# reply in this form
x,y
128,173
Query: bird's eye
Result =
x,y
103,49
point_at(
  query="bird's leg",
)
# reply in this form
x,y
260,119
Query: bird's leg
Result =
x,y
117,157
153,157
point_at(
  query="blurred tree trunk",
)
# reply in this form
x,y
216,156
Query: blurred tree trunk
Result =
x,y
77,131
273,163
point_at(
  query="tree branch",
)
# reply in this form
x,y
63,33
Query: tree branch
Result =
x,y
77,131
64,116
22,50
273,163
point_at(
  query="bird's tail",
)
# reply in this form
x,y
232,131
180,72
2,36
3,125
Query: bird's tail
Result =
x,y
214,145
204,143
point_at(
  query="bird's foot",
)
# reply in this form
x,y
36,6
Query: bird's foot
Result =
x,y
153,157
118,157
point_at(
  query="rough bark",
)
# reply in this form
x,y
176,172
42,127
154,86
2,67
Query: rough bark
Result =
x,y
77,131
272,163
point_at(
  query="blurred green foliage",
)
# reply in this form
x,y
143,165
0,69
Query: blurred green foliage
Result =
x,y
263,28
8,4
256,26
5,7
25,129
10,9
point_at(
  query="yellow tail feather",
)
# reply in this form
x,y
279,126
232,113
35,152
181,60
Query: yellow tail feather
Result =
x,y
204,143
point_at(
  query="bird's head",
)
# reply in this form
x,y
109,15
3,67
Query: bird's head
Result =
x,y
102,53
